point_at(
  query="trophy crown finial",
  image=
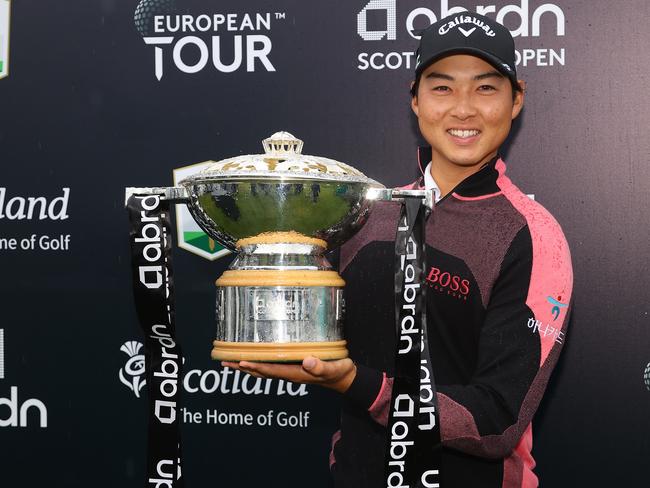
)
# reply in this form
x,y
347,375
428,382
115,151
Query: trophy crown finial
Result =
x,y
282,144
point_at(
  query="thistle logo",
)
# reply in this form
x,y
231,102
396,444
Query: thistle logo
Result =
x,y
189,234
646,376
5,9
557,306
133,371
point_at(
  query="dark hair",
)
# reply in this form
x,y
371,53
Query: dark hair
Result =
x,y
515,87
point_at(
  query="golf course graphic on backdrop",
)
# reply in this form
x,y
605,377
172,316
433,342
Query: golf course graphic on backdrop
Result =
x,y
189,234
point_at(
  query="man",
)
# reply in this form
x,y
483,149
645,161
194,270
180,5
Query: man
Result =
x,y
499,280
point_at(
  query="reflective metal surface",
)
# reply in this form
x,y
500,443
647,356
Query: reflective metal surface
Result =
x,y
284,192
281,257
279,314
231,210
282,158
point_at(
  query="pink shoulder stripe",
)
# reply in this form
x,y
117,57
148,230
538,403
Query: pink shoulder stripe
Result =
x,y
518,467
373,407
551,281
381,406
335,438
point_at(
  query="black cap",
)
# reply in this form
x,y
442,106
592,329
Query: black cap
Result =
x,y
468,33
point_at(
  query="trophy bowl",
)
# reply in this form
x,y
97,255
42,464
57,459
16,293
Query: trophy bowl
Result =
x,y
231,208
280,300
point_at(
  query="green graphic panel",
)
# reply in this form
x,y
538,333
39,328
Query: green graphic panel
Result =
x,y
201,241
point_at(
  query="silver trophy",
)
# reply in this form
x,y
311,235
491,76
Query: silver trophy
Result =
x,y
281,211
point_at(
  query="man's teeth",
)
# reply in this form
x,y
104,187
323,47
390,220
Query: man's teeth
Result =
x,y
463,133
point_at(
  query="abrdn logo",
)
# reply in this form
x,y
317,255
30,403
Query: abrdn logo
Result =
x,y
19,414
529,22
378,21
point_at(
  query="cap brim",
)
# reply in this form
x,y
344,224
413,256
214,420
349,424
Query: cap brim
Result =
x,y
497,63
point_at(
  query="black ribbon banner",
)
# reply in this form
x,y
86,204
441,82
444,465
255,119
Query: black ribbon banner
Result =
x,y
414,453
151,242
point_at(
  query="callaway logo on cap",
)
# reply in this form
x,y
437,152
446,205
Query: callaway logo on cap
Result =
x,y
468,34
466,19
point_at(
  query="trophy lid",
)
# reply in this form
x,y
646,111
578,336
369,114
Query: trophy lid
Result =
x,y
282,158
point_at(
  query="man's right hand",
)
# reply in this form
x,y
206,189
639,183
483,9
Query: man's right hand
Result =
x,y
337,375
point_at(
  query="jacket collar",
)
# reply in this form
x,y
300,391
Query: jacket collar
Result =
x,y
483,182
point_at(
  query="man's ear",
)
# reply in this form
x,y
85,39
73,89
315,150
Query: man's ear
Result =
x,y
414,101
518,102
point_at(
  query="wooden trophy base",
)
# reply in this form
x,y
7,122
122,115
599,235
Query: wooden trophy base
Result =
x,y
277,352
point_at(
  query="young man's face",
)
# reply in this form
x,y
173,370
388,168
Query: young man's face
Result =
x,y
465,108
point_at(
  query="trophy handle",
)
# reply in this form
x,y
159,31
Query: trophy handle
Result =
x,y
396,194
174,194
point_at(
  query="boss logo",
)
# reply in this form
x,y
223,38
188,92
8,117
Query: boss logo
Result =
x,y
445,281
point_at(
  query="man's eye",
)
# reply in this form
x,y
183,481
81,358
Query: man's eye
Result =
x,y
486,88
441,88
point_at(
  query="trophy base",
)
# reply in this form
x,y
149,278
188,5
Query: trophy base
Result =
x,y
277,352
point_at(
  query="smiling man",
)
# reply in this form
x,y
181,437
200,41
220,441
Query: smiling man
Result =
x,y
498,266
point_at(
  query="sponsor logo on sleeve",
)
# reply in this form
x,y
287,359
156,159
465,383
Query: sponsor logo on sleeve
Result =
x,y
557,306
545,330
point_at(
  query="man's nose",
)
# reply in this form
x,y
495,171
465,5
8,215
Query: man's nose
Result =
x,y
464,106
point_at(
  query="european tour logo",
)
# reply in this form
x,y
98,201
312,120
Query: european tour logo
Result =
x,y
225,42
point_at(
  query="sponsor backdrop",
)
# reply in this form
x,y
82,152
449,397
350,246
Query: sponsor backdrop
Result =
x,y
97,96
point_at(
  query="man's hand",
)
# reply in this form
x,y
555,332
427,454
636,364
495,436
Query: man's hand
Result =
x,y
336,375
